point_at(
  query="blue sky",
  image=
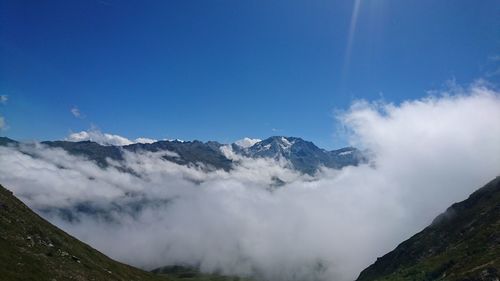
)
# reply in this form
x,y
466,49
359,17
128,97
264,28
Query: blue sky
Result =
x,y
223,70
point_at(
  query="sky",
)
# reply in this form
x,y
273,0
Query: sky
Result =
x,y
224,70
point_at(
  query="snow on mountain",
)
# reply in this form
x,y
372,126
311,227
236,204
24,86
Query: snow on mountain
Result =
x,y
302,155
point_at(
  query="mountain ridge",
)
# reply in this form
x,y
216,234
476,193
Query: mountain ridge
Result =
x,y
303,156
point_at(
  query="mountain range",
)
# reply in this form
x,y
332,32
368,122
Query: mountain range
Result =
x,y
303,156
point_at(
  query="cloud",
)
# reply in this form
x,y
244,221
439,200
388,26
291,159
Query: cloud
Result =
x,y
427,154
494,58
99,137
3,123
4,99
492,67
76,112
105,138
144,140
246,142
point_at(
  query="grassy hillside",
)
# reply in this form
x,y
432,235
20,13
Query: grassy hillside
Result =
x,y
33,249
461,244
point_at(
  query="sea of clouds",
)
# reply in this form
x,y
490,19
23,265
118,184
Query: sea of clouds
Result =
x,y
425,155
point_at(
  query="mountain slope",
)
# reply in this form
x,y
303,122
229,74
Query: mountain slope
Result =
x,y
189,152
91,150
183,153
33,249
6,141
461,244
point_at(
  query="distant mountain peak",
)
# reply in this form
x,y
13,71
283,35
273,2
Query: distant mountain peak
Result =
x,y
278,142
302,155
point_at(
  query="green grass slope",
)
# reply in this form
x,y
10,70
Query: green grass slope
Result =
x,y
33,249
461,244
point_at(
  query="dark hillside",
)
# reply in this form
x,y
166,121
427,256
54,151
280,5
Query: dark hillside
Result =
x,y
33,249
461,244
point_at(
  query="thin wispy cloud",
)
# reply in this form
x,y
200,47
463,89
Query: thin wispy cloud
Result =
x,y
493,66
4,99
76,112
494,58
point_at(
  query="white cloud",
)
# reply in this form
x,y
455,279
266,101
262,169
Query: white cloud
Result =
x,y
76,112
99,137
428,153
246,142
144,140
3,123
4,99
105,138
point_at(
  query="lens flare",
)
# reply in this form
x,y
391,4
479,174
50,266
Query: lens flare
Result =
x,y
350,38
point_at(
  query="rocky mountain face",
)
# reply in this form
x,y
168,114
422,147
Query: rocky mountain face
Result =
x,y
301,155
461,244
32,249
188,152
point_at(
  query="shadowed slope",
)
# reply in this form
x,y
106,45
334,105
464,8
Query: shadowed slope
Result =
x,y
461,244
33,249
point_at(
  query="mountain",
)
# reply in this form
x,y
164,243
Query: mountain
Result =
x,y
6,141
188,152
302,155
89,149
462,244
32,249
183,153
